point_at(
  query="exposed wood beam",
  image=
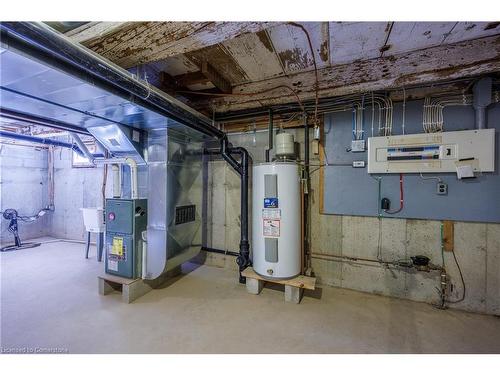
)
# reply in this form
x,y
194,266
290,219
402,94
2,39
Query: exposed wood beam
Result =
x,y
263,123
448,235
143,42
169,84
191,78
447,62
421,92
175,87
94,30
215,77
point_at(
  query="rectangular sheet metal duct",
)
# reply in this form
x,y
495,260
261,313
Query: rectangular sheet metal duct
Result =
x,y
175,193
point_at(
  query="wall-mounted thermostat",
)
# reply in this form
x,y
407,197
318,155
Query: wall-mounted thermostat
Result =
x,y
432,152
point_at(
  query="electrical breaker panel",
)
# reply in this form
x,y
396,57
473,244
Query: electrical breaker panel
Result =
x,y
432,152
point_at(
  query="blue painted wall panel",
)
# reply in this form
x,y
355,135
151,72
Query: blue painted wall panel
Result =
x,y
352,191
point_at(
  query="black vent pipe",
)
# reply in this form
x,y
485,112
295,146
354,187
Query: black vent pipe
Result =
x,y
242,168
270,131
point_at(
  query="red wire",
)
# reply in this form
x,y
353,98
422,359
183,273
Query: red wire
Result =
x,y
401,197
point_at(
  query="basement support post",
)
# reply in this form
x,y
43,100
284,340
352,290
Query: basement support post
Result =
x,y
306,185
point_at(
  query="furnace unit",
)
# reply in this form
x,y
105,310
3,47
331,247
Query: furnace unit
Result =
x,y
126,219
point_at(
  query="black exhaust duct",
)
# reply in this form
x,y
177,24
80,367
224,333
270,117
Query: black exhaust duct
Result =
x,y
270,135
242,168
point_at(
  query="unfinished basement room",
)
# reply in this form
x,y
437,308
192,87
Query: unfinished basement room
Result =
x,y
250,187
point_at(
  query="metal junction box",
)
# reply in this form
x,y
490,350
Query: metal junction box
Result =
x,y
125,221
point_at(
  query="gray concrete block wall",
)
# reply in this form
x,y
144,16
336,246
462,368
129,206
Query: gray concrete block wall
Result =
x,y
477,245
493,269
24,175
75,188
23,186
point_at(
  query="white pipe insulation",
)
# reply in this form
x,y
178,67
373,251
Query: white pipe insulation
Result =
x,y
133,177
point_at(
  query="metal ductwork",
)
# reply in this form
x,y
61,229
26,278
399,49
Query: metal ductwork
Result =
x,y
175,195
119,100
31,119
42,141
44,43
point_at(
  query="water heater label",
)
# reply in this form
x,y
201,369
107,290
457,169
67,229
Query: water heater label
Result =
x,y
270,202
271,213
271,228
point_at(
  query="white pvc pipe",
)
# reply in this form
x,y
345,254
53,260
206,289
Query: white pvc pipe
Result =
x,y
133,173
50,161
117,189
133,178
144,241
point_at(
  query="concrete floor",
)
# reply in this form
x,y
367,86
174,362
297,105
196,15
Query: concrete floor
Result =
x,y
49,299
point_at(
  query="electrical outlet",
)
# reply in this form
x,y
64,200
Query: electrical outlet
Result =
x,y
358,164
442,188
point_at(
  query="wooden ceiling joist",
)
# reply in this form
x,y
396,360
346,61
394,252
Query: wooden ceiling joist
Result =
x,y
94,30
464,59
215,77
191,78
145,42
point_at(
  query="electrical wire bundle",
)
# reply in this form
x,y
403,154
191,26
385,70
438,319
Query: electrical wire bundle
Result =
x,y
433,120
357,121
401,198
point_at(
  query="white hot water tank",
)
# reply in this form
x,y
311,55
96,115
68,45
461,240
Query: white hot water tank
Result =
x,y
276,227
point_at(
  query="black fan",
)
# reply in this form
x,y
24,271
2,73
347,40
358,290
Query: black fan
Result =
x,y
12,215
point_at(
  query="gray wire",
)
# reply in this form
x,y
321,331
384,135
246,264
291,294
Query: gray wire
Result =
x,y
438,179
